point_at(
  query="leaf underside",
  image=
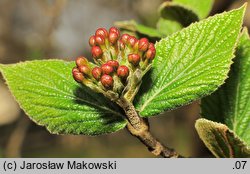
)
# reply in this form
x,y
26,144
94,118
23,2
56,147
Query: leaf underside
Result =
x,y
48,94
201,8
220,140
177,12
139,28
190,64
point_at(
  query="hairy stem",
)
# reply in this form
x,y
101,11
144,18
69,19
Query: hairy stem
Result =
x,y
139,128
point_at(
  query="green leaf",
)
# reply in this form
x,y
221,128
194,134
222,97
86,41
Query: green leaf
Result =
x,y
167,27
231,103
177,12
220,140
141,29
190,64
47,92
201,8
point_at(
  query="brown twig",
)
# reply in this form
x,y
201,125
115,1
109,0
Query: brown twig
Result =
x,y
139,128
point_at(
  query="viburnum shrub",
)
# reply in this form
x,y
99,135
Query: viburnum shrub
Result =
x,y
130,78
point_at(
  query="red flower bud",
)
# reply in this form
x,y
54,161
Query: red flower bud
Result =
x,y
96,52
134,59
77,75
123,71
151,45
107,81
92,41
115,30
124,38
75,69
150,54
143,44
113,37
99,40
107,69
84,69
101,32
132,40
113,63
81,61
97,73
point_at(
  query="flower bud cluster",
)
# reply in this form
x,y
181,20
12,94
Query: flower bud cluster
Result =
x,y
118,58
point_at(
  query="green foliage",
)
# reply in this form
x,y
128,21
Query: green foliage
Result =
x,y
190,64
201,8
167,27
220,140
177,12
133,26
230,104
47,92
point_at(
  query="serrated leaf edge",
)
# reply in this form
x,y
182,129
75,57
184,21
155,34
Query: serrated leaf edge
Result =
x,y
31,118
226,76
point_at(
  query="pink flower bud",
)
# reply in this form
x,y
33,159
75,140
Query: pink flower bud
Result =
x,y
143,44
150,54
107,81
99,40
84,69
151,45
77,75
124,38
113,37
97,73
134,59
132,40
81,61
115,30
96,52
92,41
107,69
101,32
123,71
113,63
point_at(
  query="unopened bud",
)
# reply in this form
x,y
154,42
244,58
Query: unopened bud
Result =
x,y
107,69
150,54
78,76
92,41
84,69
107,81
132,40
113,63
124,38
101,32
113,37
97,73
96,52
143,44
134,59
151,45
81,61
123,71
115,30
99,40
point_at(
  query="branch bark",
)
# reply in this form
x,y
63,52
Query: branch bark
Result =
x,y
139,128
